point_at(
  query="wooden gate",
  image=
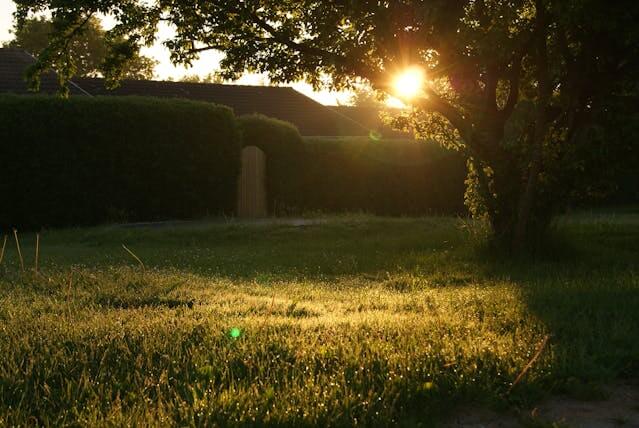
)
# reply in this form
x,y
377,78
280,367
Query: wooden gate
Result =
x,y
251,201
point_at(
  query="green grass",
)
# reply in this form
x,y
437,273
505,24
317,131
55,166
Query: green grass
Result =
x,y
352,320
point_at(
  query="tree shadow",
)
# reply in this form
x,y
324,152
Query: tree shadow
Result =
x,y
344,247
584,288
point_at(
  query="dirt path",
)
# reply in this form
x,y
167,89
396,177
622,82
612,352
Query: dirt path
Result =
x,y
620,409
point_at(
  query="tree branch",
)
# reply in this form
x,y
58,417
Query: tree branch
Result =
x,y
513,90
205,48
492,77
280,38
433,102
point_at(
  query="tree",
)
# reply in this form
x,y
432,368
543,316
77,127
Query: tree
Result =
x,y
87,49
512,84
366,97
195,78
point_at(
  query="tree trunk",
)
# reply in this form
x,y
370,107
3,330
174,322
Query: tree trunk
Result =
x,y
527,199
499,190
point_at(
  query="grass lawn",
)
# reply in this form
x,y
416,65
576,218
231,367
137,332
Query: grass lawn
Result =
x,y
352,320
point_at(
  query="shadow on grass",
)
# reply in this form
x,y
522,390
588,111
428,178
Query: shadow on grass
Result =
x,y
265,252
584,288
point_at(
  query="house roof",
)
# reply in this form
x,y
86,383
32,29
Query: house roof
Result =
x,y
285,103
311,117
370,118
13,67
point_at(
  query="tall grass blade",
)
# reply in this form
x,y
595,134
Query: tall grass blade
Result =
x,y
15,234
37,252
540,349
4,245
134,256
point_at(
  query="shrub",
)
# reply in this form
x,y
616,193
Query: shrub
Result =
x,y
91,160
388,177
285,153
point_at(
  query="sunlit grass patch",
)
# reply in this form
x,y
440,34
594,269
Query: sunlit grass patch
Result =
x,y
368,320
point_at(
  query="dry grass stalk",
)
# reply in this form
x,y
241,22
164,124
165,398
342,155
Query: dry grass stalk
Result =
x,y
270,311
69,293
4,245
15,234
540,349
37,252
134,256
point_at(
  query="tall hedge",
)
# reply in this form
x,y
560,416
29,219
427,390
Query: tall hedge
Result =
x,y
388,177
90,160
285,155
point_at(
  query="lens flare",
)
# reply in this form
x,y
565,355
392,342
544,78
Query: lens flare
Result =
x,y
408,83
235,333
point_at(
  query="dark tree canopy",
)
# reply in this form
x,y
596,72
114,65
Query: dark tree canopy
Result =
x,y
85,52
512,84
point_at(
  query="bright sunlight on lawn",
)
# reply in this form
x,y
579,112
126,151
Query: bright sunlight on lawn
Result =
x,y
343,320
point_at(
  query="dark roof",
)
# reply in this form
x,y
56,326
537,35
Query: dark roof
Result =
x,y
311,117
13,66
370,118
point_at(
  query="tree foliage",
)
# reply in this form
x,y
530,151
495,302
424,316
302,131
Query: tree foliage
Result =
x,y
196,78
364,96
83,54
513,84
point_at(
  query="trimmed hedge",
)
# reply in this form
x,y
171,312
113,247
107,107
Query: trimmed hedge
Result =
x,y
285,153
388,177
93,160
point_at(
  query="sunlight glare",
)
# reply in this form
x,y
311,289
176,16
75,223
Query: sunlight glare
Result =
x,y
408,83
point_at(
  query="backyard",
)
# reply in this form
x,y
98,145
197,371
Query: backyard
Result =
x,y
337,320
319,213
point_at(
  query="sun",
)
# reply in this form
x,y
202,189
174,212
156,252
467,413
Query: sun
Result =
x,y
408,84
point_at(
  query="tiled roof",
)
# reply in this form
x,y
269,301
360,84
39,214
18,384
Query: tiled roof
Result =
x,y
13,66
370,118
311,117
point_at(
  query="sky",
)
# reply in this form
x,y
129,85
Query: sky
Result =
x,y
206,64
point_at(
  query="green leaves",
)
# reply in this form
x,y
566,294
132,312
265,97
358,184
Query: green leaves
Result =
x,y
77,45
